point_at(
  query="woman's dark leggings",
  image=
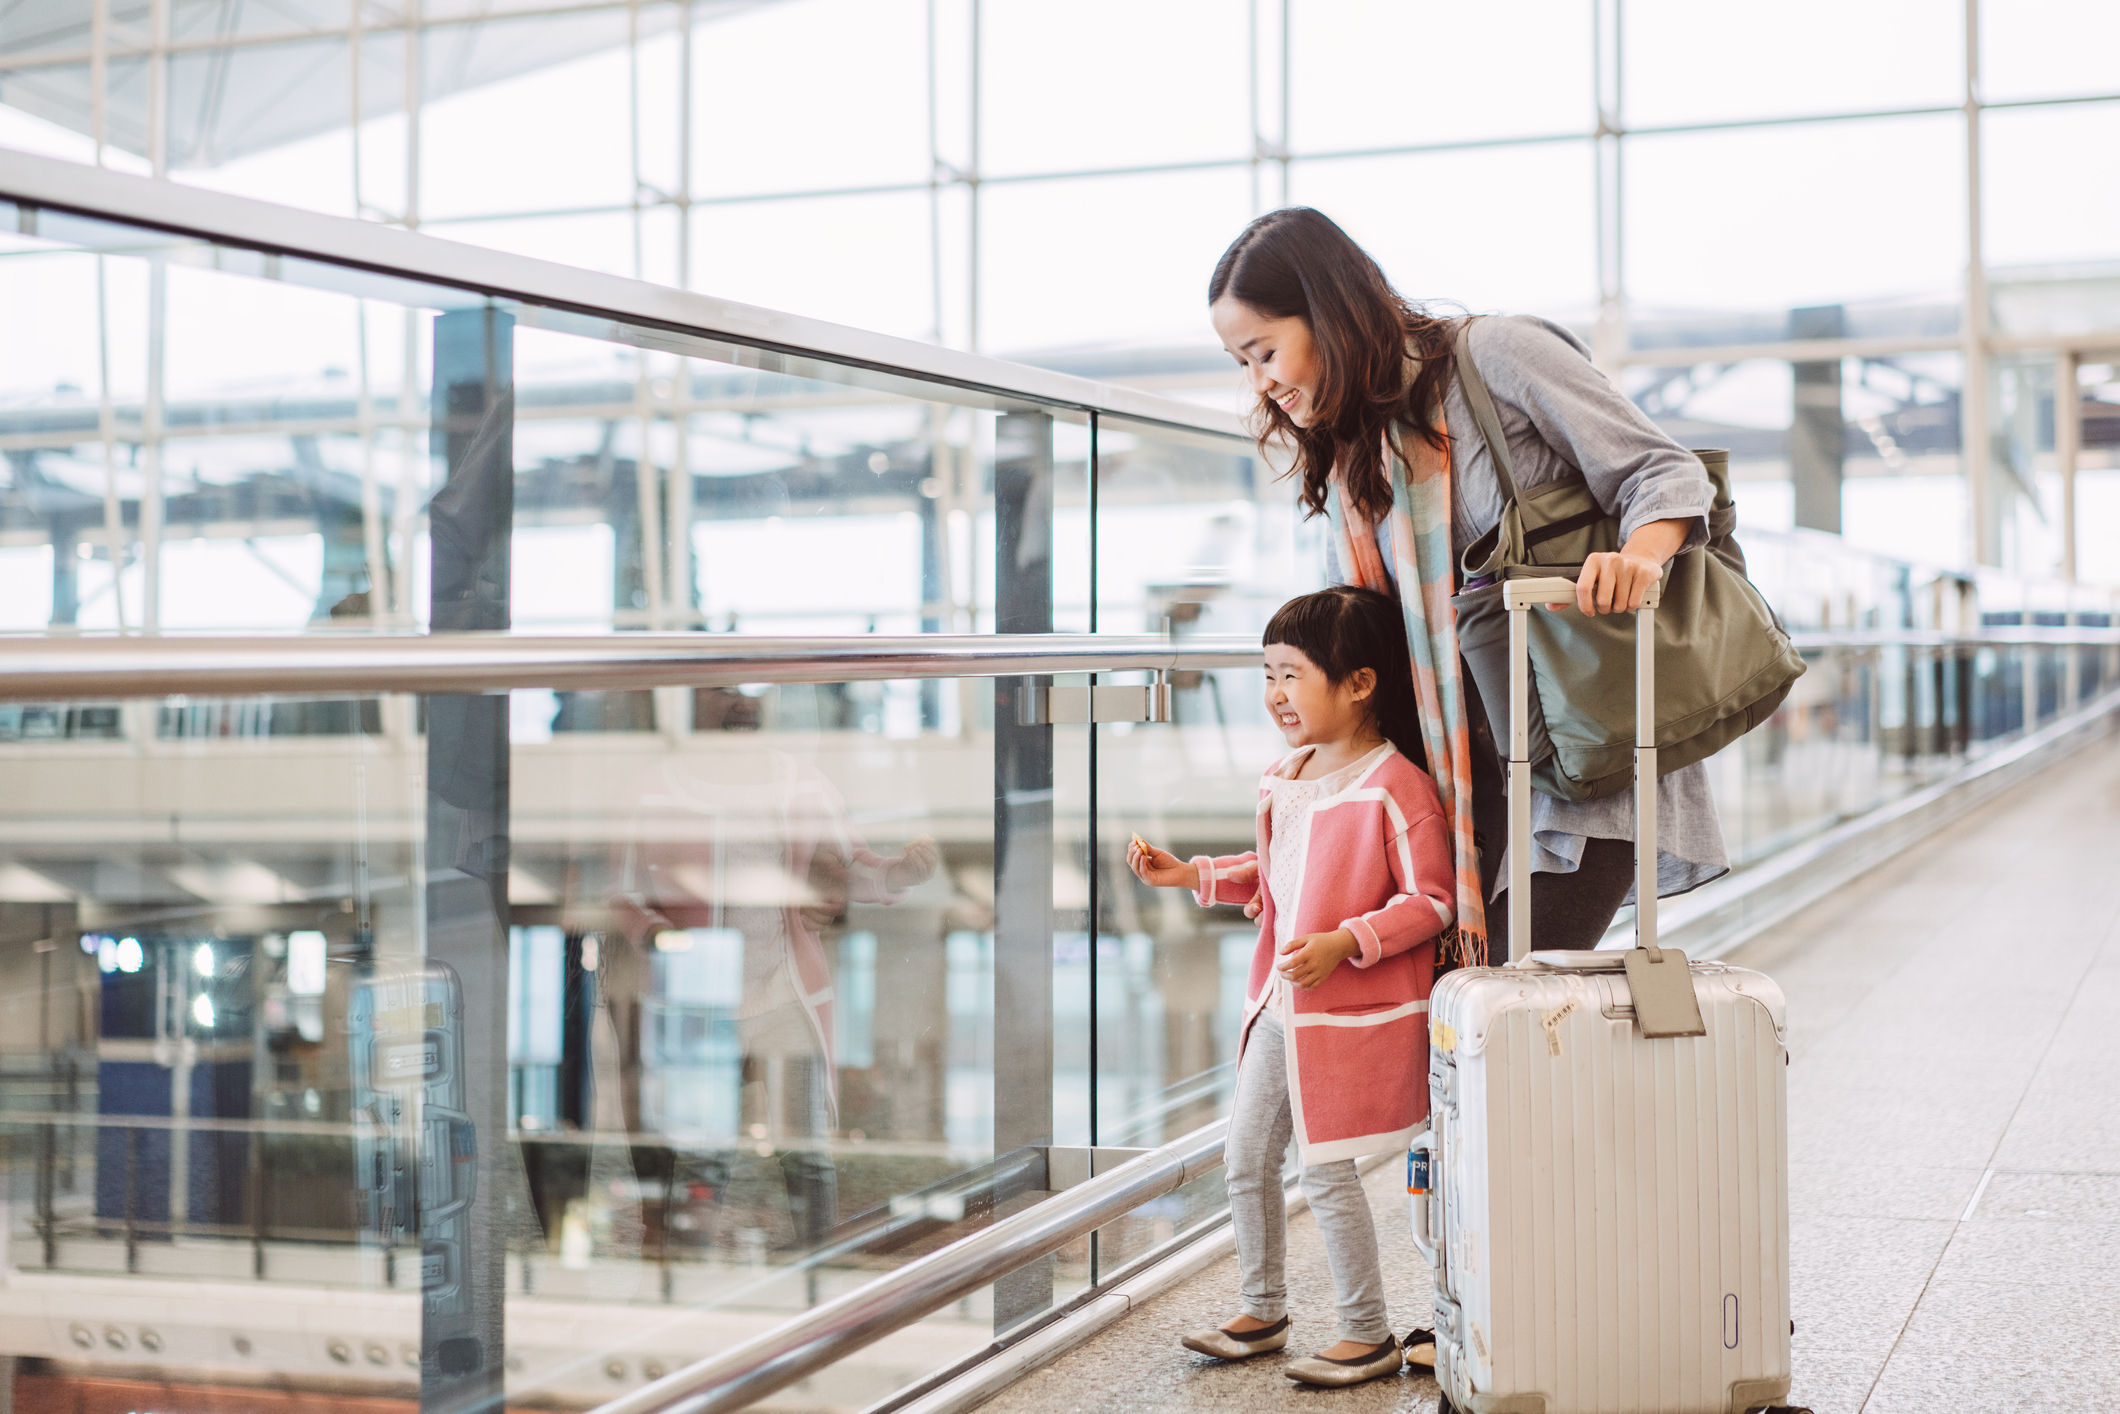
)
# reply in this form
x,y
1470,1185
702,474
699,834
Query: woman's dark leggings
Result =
x,y
1570,912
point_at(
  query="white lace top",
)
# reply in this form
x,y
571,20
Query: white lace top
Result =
x,y
1289,854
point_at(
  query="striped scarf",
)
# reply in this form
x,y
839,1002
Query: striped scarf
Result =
x,y
1421,557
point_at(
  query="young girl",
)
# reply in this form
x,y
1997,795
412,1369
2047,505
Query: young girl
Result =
x,y
1352,882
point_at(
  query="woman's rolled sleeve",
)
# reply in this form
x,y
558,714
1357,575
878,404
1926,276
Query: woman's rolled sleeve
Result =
x,y
1631,465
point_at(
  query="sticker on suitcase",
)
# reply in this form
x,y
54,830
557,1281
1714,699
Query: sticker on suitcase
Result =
x,y
1552,1020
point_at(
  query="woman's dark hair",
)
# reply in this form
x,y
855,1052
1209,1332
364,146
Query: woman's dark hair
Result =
x,y
1295,263
1346,628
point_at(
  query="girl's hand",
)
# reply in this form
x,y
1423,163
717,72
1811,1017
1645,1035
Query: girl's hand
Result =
x,y
1159,866
1310,959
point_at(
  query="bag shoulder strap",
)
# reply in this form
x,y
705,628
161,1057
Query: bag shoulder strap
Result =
x,y
1482,404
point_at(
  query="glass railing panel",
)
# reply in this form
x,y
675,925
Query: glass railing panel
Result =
x,y
227,441
186,923
1196,537
755,1060
1169,975
1194,533
727,1022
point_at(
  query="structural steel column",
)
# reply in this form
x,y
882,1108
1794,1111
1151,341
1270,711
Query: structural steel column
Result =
x,y
1608,156
151,447
1975,437
1023,826
66,563
1818,427
467,848
2068,449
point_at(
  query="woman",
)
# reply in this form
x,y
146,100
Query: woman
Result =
x,y
1353,377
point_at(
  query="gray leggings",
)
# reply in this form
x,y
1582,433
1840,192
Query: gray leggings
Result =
x,y
1260,1126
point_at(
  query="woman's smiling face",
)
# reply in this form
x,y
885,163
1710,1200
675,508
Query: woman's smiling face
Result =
x,y
1278,356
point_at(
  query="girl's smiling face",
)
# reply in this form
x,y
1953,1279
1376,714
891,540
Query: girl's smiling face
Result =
x,y
1278,356
1308,707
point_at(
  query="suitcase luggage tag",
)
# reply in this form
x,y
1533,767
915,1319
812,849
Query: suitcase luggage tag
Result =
x,y
1664,1001
1659,979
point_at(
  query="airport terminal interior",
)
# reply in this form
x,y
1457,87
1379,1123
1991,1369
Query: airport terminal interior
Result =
x,y
592,593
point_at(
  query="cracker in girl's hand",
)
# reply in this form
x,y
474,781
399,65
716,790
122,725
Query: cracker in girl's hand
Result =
x,y
1141,842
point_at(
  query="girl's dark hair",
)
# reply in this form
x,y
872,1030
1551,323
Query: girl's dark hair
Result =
x,y
1346,628
1295,263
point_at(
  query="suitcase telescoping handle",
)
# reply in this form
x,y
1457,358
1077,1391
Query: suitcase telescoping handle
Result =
x,y
1659,978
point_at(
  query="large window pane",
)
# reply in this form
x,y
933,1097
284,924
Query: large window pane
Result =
x,y
1381,73
25,32
860,260
209,19
1693,63
25,131
313,172
1108,83
41,108
225,103
2041,204
1770,219
1497,229
545,130
776,107
2098,480
2046,48
1104,260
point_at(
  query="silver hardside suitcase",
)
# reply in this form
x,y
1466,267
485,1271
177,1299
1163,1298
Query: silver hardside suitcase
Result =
x,y
1603,1192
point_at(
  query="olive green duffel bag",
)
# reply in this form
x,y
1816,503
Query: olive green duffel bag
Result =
x,y
1723,661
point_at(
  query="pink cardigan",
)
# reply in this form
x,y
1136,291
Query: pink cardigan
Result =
x,y
1378,864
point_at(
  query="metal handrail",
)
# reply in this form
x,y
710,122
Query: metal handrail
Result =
x,y
592,301
58,668
1816,641
737,1377
71,668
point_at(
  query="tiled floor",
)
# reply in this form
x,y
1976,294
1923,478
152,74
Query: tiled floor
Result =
x,y
1955,1016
